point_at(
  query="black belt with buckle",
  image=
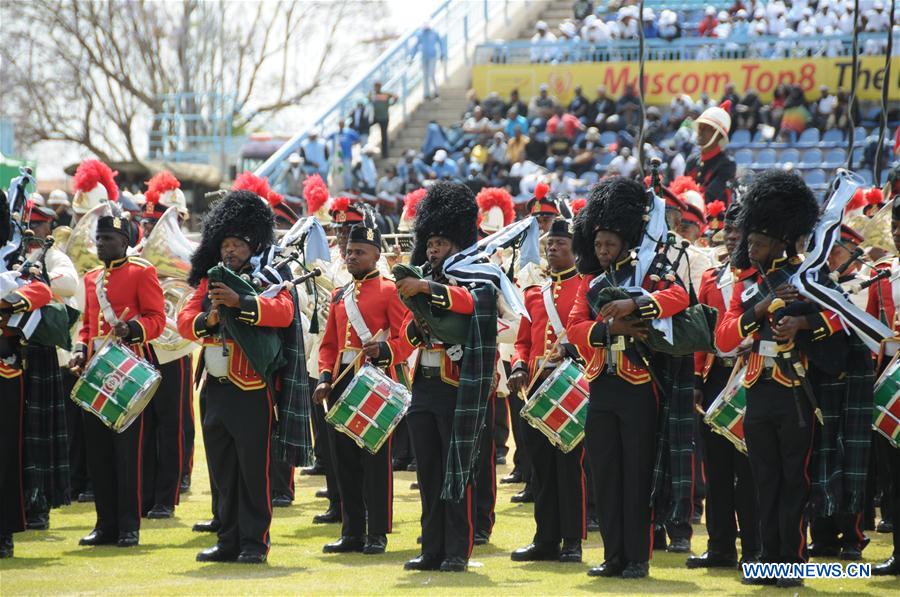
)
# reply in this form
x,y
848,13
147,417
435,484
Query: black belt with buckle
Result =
x,y
429,372
221,380
727,362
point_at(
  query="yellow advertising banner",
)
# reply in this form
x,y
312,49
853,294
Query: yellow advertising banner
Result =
x,y
665,80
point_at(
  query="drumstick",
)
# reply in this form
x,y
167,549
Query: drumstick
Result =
x,y
354,362
537,372
106,339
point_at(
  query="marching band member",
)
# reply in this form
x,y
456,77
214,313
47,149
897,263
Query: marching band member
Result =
x,y
620,433
711,167
559,501
777,210
730,489
121,283
369,304
237,401
451,384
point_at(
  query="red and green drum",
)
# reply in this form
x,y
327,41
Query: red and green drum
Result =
x,y
886,414
726,414
558,408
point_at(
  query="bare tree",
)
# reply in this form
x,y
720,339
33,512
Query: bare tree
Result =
x,y
100,73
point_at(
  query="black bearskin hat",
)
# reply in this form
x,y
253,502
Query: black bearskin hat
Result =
x,y
616,204
241,214
779,205
448,209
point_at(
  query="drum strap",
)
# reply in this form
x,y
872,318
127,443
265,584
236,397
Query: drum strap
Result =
x,y
725,283
354,315
552,314
108,313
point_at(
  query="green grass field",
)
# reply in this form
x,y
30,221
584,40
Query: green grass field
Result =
x,y
51,562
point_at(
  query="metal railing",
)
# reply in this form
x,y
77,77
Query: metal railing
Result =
x,y
460,24
685,48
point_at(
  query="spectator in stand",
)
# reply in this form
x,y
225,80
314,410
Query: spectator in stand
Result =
x,y
430,44
361,120
626,25
543,104
496,152
515,147
471,101
771,114
389,185
669,28
294,178
654,127
823,108
579,105
624,163
796,116
365,171
738,6
628,106
563,124
536,148
582,9
722,30
342,142
514,121
678,109
514,102
442,168
587,152
543,44
492,105
740,28
747,111
315,154
707,25
411,170
651,31
601,108
434,139
475,178
381,102
462,163
595,31
704,102
840,117
476,128
732,97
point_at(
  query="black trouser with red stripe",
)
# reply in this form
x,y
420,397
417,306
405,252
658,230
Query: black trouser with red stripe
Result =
x,y
723,464
521,458
365,480
447,527
163,447
78,472
559,489
114,463
281,475
12,434
891,457
236,431
486,477
779,446
188,430
620,435
322,439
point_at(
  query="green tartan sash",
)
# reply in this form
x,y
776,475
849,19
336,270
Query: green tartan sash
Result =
x,y
446,326
53,328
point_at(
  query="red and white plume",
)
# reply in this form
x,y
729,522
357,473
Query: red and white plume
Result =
x,y
91,173
159,184
248,181
491,197
315,192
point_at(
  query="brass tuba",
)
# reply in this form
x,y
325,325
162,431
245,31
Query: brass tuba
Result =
x,y
82,244
176,294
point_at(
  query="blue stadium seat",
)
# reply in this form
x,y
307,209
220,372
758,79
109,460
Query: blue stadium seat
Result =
x,y
808,138
608,137
741,138
857,156
812,158
835,158
765,158
789,155
606,158
815,177
832,138
590,177
759,140
859,137
867,176
743,157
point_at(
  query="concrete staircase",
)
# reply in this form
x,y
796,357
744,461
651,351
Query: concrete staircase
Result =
x,y
553,15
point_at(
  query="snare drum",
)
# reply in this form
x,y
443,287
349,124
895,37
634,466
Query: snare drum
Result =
x,y
116,385
558,408
370,408
726,414
886,414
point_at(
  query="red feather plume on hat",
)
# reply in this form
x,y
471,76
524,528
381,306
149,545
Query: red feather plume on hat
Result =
x,y
726,105
578,205
683,184
874,196
411,202
249,181
315,191
161,182
90,173
541,190
340,204
490,197
714,209
858,201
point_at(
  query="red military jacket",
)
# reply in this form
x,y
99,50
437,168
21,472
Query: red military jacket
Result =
x,y
881,298
30,297
536,337
450,298
588,332
131,283
381,309
739,323
276,312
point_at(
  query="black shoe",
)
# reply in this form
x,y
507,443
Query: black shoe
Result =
x,y
217,553
209,526
571,551
789,583
251,557
315,469
414,485
98,537
185,485
282,501
411,467
758,582
679,545
593,524
885,526
400,464
454,564
6,546
423,562
159,512
513,477
322,493
824,550
660,540
890,566
536,552
375,544
86,496
129,539
636,570
481,537
607,569
501,460
854,552
345,545
526,496
329,516
712,560
38,522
